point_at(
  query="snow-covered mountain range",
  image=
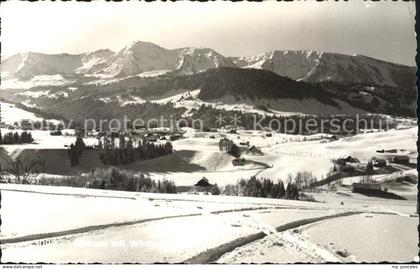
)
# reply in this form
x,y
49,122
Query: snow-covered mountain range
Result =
x,y
140,57
315,66
136,58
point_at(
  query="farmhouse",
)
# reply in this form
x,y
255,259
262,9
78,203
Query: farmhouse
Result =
x,y
202,185
379,163
347,160
367,187
401,159
239,162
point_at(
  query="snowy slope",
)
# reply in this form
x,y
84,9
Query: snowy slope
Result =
x,y
195,60
11,114
315,66
139,57
29,64
95,61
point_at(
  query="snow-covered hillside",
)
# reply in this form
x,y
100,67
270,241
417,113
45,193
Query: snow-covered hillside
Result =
x,y
195,60
11,114
139,57
315,66
30,64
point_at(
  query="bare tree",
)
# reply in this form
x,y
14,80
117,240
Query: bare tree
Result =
x,y
23,170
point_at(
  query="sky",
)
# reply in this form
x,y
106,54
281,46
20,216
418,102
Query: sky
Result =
x,y
383,30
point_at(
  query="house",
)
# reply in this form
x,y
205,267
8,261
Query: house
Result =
x,y
151,138
348,159
202,185
26,125
379,163
333,138
239,162
401,159
367,187
175,136
56,133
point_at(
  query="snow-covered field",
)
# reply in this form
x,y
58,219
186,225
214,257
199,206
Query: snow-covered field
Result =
x,y
43,140
63,224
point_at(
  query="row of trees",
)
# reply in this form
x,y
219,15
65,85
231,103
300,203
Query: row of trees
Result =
x,y
127,152
262,188
16,138
114,179
75,151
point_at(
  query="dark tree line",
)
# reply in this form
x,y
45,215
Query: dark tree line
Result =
x,y
264,187
75,150
118,180
16,138
126,152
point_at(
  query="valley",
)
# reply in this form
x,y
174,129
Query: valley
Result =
x,y
239,178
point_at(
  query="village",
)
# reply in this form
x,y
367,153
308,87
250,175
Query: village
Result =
x,y
246,183
243,152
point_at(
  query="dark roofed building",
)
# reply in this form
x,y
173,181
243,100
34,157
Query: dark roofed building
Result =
x,y
203,185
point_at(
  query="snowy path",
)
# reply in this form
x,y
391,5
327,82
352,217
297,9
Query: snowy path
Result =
x,y
212,255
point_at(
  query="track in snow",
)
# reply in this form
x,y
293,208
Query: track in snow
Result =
x,y
212,255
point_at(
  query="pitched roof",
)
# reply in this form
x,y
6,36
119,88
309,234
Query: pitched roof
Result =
x,y
204,182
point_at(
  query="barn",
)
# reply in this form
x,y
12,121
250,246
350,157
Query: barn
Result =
x,y
203,185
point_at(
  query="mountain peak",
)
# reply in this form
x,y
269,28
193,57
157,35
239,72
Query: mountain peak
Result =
x,y
141,45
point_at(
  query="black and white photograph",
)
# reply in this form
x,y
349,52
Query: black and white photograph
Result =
x,y
186,132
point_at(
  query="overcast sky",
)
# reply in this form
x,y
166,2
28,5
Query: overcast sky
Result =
x,y
383,30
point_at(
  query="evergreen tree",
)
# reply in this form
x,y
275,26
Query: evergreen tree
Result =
x,y
234,150
215,190
16,138
71,153
100,145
